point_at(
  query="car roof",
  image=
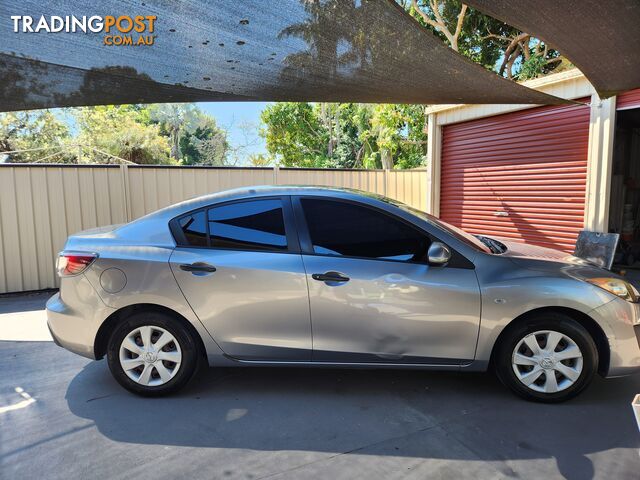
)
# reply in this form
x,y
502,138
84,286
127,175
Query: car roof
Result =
x,y
266,190
262,191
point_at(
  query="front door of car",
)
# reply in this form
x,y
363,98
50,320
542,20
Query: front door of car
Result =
x,y
239,268
373,295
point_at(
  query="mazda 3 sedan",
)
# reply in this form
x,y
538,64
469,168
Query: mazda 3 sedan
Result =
x,y
310,276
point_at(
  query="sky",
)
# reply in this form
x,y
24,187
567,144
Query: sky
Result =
x,y
241,120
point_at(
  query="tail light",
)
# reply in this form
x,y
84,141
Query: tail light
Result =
x,y
74,263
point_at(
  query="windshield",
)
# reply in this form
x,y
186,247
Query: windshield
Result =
x,y
459,234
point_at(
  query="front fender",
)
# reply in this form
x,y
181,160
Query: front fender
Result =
x,y
509,293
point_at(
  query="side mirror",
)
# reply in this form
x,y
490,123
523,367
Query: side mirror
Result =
x,y
438,253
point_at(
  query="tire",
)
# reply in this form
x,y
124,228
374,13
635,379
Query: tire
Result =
x,y
144,366
517,365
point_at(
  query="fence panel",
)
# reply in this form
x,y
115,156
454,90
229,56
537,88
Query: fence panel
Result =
x,y
408,186
151,188
41,205
368,180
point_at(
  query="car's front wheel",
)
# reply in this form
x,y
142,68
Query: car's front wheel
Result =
x,y
549,357
152,354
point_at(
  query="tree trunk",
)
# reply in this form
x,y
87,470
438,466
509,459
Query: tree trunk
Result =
x,y
386,158
175,143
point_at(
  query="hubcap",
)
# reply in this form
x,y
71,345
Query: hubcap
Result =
x,y
150,356
547,361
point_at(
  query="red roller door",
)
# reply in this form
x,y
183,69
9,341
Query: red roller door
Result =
x,y
630,99
520,175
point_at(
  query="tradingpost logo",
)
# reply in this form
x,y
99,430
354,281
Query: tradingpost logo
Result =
x,y
123,30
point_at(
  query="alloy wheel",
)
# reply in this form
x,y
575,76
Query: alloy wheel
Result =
x,y
547,361
150,355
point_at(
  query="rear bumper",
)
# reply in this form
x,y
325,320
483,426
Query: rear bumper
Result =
x,y
620,321
75,315
68,329
80,349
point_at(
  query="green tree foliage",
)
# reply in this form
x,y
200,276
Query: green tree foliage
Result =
x,y
136,133
206,145
124,131
260,160
345,135
400,135
293,133
487,41
40,131
194,136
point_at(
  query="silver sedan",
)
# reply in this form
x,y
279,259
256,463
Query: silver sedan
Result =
x,y
306,276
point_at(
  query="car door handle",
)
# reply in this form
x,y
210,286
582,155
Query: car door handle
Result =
x,y
198,267
330,277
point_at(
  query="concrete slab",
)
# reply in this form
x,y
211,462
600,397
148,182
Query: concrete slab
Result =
x,y
22,317
295,423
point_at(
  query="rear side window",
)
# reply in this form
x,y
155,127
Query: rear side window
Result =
x,y
194,229
346,229
254,225
251,225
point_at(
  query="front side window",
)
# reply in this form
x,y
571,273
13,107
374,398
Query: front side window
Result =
x,y
347,229
252,225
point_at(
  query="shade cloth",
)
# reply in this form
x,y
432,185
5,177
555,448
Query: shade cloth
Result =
x,y
285,50
601,38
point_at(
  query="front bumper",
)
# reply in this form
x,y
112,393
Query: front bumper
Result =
x,y
619,320
74,316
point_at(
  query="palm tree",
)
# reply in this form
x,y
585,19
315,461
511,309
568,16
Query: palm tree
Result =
x,y
176,118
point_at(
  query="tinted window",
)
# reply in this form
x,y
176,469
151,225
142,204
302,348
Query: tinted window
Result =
x,y
254,225
194,228
338,228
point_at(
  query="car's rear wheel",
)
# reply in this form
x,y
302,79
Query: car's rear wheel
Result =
x,y
152,354
549,357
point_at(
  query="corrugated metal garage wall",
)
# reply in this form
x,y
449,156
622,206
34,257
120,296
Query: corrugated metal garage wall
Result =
x,y
627,100
520,175
41,205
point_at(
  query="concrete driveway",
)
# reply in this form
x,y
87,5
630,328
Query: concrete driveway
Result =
x,y
62,416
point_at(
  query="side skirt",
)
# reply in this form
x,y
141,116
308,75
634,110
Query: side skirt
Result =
x,y
226,361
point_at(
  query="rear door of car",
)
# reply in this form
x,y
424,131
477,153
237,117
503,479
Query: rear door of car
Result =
x,y
239,266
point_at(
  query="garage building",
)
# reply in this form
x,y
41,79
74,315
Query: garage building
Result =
x,y
539,174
